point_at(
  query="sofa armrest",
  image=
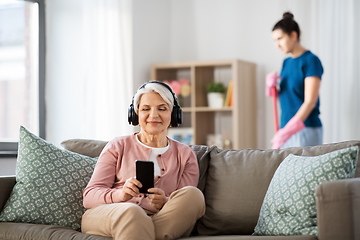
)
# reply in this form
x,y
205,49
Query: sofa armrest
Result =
x,y
338,209
6,185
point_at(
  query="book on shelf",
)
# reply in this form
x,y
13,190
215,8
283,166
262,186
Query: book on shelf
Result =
x,y
181,134
229,93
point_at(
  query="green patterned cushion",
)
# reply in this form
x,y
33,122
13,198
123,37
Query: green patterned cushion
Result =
x,y
49,184
289,206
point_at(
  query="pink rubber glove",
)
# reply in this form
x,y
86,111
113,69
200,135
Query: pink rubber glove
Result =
x,y
271,81
281,136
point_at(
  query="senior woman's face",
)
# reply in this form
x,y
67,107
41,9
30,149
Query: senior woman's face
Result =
x,y
154,113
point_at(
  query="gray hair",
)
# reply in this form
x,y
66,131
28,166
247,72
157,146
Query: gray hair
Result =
x,y
153,87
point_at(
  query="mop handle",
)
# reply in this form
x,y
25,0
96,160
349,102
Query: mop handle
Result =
x,y
274,96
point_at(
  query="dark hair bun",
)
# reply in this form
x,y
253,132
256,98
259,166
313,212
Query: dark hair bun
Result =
x,y
288,15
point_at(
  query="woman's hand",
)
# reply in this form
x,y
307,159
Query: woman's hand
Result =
x,y
271,81
293,126
156,198
130,189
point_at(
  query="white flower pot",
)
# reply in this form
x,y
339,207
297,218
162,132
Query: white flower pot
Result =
x,y
215,100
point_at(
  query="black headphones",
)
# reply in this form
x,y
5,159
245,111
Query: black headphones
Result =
x,y
176,114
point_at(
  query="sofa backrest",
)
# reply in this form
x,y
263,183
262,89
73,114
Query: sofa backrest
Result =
x,y
236,181
6,185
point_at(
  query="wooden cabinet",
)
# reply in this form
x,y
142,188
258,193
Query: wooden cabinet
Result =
x,y
238,122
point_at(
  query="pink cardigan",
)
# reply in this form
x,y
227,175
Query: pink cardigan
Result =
x,y
116,164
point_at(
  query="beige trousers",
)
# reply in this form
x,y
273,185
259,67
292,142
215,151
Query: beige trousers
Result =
x,y
129,221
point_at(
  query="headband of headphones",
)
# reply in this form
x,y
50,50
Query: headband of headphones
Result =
x,y
176,114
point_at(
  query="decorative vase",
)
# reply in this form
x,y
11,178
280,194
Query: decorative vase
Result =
x,y
215,99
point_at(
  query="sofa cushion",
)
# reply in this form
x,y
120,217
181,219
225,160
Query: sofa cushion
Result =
x,y
43,232
49,184
87,147
203,156
237,182
289,207
249,237
6,185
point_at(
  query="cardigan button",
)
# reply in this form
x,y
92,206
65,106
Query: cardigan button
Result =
x,y
159,155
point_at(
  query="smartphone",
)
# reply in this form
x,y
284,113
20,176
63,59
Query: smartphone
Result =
x,y
145,174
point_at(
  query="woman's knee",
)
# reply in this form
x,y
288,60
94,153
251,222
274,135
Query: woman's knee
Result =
x,y
132,220
188,192
192,195
130,211
196,196
180,213
106,219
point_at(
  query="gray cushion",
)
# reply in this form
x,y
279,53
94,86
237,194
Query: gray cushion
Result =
x,y
203,156
247,237
6,186
87,147
43,232
237,182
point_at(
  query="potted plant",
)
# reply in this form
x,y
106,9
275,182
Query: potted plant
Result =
x,y
215,94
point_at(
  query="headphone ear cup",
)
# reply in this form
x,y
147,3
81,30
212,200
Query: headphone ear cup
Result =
x,y
176,116
132,116
129,115
135,121
173,118
180,116
135,118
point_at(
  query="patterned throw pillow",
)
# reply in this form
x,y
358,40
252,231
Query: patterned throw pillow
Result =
x,y
49,184
289,206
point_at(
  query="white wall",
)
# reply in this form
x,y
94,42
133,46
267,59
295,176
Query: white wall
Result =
x,y
151,37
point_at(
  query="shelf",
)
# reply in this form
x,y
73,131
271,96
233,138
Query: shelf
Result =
x,y
206,109
239,120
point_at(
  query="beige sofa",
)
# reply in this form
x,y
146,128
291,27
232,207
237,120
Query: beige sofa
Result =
x,y
234,183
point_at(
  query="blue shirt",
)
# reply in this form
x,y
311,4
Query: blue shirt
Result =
x,y
292,87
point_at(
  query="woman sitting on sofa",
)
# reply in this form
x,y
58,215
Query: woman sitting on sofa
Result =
x,y
115,206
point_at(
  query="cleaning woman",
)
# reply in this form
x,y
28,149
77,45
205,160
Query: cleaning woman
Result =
x,y
298,91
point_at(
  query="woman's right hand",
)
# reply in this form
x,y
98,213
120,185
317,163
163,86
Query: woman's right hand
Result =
x,y
271,81
130,189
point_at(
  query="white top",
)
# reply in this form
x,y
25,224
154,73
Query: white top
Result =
x,y
154,153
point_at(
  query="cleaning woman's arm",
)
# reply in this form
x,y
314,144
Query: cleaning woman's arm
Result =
x,y
312,87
